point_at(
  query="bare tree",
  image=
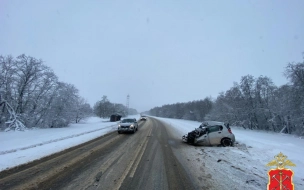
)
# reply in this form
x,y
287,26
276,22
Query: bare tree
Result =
x,y
34,96
295,73
13,122
83,110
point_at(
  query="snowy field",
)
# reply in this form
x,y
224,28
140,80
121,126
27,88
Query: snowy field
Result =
x,y
245,163
21,147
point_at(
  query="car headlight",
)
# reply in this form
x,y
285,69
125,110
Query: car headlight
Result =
x,y
131,126
118,126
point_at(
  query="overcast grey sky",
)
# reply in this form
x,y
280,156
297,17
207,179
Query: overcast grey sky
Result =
x,y
160,51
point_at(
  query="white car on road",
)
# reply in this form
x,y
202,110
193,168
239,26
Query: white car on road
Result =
x,y
127,125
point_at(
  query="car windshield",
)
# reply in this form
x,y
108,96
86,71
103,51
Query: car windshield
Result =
x,y
127,121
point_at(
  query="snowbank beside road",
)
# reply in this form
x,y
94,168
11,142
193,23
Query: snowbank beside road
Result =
x,y
245,163
21,147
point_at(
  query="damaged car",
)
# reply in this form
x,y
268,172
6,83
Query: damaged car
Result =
x,y
211,133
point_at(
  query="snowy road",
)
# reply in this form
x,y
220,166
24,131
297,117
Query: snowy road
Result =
x,y
144,160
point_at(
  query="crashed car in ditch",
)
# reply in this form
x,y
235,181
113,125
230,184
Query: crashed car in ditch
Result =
x,y
211,133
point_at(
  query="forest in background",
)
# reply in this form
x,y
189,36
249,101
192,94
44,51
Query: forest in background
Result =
x,y
253,103
104,108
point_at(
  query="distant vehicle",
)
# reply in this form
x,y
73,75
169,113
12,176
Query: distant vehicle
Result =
x,y
115,117
143,118
127,125
211,133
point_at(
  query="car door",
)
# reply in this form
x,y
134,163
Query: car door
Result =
x,y
215,134
203,140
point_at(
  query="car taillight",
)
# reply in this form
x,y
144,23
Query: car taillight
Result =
x,y
229,130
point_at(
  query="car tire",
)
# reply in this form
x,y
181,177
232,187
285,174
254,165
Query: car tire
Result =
x,y
226,142
119,132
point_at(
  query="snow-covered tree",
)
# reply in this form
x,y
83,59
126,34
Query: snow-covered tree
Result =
x,y
295,119
12,122
34,96
104,108
83,110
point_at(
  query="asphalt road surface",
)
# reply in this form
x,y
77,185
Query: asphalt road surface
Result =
x,y
148,159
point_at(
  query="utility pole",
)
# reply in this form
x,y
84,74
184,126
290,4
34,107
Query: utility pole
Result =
x,y
127,104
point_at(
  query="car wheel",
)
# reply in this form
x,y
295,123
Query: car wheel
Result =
x,y
119,132
226,142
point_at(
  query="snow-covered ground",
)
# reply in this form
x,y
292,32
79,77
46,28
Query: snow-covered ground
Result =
x,y
239,167
21,147
245,164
